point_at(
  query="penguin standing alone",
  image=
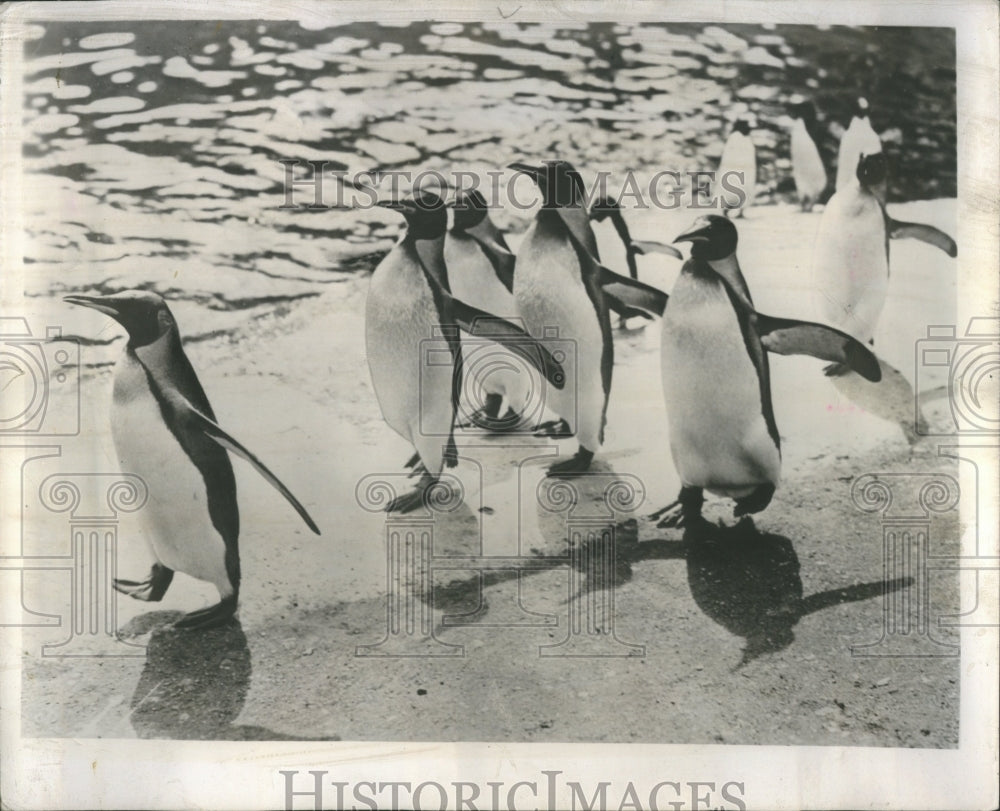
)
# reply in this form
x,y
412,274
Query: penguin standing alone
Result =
x,y
716,379
737,170
165,432
558,283
807,164
410,303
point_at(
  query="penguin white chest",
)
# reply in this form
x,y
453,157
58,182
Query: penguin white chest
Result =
x,y
738,165
850,263
409,360
807,165
473,279
718,436
178,526
488,367
549,292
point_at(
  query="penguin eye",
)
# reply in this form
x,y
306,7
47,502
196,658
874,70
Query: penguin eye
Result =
x,y
163,320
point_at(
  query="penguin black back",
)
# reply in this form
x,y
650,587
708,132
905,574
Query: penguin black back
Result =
x,y
155,342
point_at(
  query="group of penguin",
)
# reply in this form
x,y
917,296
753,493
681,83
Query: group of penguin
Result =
x,y
851,254
452,272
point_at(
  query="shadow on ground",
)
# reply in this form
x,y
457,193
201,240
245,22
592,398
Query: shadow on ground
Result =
x,y
194,683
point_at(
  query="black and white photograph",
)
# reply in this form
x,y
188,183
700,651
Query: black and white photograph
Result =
x,y
519,405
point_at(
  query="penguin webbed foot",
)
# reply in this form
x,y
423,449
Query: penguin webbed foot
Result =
x,y
670,516
755,502
684,512
150,590
413,500
210,617
481,418
574,466
556,429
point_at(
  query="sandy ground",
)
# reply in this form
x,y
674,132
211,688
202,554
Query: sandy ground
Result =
x,y
745,634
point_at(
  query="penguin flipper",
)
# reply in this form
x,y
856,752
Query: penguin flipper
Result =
x,y
648,246
212,430
500,257
787,336
924,233
481,324
631,293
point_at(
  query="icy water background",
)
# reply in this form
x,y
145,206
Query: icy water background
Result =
x,y
153,149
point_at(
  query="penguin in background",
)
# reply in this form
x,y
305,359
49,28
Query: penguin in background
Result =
x,y
410,302
851,254
607,209
858,139
165,431
736,179
716,379
480,268
559,283
807,163
851,280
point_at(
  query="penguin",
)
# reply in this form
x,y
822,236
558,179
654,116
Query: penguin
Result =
x,y
851,254
480,268
558,282
807,164
410,303
858,139
716,380
607,208
737,170
165,431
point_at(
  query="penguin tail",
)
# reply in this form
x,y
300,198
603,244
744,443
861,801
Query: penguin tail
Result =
x,y
451,453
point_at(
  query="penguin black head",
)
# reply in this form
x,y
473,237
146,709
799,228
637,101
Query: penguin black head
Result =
x,y
144,314
470,209
559,182
712,237
805,110
872,169
605,207
425,213
742,126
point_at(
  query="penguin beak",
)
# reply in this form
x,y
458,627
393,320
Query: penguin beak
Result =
x,y
393,205
698,232
534,172
99,303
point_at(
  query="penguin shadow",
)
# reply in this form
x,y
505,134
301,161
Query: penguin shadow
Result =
x,y
745,580
549,549
194,683
892,399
